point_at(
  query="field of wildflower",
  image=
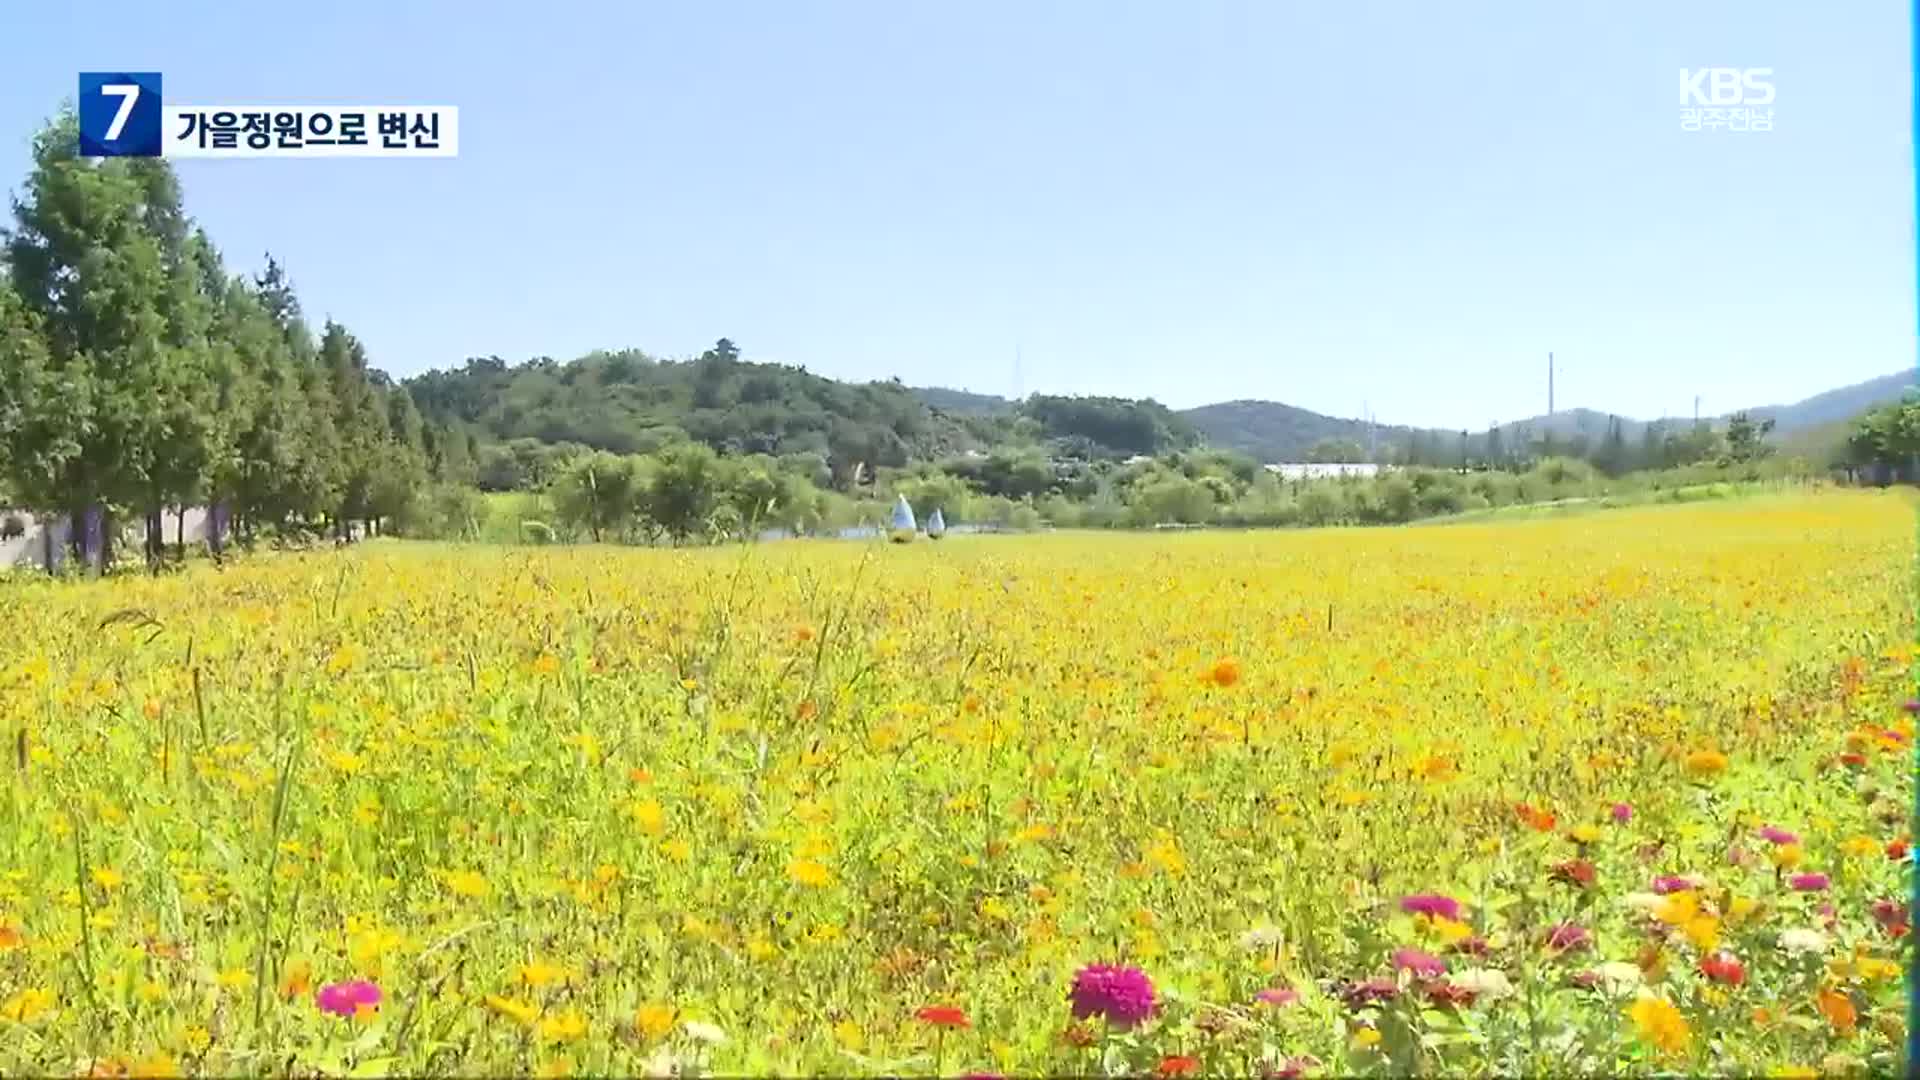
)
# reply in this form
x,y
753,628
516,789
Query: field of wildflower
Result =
x,y
1626,791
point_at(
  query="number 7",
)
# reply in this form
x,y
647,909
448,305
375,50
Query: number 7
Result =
x,y
128,93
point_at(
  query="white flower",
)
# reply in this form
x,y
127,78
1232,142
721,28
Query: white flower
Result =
x,y
1489,983
701,1031
1619,975
661,1066
1645,902
1260,937
1803,940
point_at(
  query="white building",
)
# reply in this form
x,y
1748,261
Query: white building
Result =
x,y
1315,470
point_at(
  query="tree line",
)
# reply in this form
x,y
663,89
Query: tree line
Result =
x,y
138,374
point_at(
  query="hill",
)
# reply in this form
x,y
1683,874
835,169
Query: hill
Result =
x,y
1273,431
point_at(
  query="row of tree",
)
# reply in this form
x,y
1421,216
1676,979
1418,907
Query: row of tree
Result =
x,y
1885,442
1658,445
137,374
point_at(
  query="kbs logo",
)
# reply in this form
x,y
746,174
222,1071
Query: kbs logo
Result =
x,y
1724,98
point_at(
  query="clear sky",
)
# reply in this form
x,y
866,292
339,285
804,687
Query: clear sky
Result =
x,y
1323,203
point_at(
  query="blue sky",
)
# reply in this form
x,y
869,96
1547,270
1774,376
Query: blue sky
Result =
x,y
1405,204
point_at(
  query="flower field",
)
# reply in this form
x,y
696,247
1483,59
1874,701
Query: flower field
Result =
x,y
1626,791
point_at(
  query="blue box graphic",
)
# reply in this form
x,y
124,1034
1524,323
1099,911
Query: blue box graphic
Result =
x,y
120,114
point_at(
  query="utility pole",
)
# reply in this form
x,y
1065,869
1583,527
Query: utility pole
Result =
x,y
1696,410
1549,384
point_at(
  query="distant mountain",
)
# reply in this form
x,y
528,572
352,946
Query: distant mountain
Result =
x,y
1272,431
1843,404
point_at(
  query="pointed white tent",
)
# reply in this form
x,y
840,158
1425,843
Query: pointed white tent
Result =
x,y
903,524
936,524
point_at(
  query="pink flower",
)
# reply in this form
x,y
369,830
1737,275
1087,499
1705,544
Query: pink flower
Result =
x,y
1775,835
1809,882
1670,883
1912,706
345,999
1432,904
1123,996
1293,1068
1418,962
1622,813
1567,938
1278,996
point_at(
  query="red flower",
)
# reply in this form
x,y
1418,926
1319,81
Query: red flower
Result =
x,y
946,1016
1177,1065
1853,758
1892,917
1723,967
1442,992
1897,850
1576,872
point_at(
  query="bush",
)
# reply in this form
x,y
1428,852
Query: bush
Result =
x,y
12,527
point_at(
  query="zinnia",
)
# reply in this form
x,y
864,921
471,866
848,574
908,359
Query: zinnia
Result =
x,y
1723,968
1567,938
345,999
1775,835
1278,996
1576,872
1419,963
1432,904
1123,996
1809,882
1622,813
1673,883
950,1016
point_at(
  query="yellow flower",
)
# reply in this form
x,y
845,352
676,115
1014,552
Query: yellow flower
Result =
x,y
234,979
27,1005
808,872
848,1035
1795,1072
1366,1038
650,816
196,1039
654,1020
1659,1024
1786,856
1703,932
540,973
155,1066
677,849
106,877
518,1011
1861,847
467,883
567,1026
1584,834
1705,763
1740,909
1678,909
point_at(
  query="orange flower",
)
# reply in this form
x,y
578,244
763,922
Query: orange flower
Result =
x,y
946,1016
1177,1065
1224,673
1838,1009
1540,820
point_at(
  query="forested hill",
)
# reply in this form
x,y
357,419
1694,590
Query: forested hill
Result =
x,y
630,402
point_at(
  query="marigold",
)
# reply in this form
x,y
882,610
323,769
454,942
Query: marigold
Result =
x,y
1658,1023
1705,763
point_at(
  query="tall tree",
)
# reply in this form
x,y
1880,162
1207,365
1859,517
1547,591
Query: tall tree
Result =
x,y
85,258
